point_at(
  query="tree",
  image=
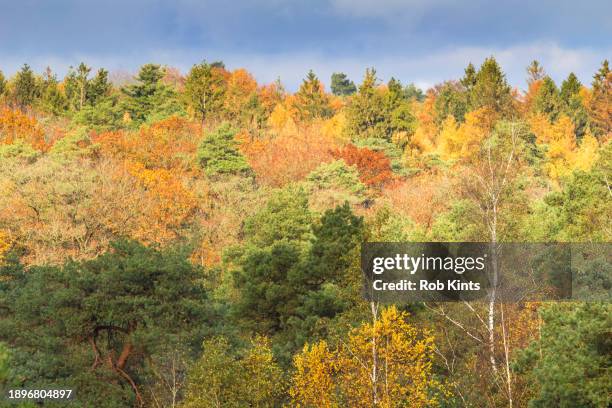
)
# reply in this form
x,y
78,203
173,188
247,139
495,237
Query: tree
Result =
x,y
150,99
52,99
204,90
570,88
569,362
218,153
2,84
469,77
222,379
387,363
240,96
365,113
99,87
93,324
573,105
26,90
600,107
451,99
311,101
374,167
491,89
334,183
578,212
535,72
382,113
548,101
341,85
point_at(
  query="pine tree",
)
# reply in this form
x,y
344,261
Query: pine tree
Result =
x,y
601,103
535,72
2,84
341,85
311,100
570,87
491,89
548,101
204,90
99,87
53,100
26,90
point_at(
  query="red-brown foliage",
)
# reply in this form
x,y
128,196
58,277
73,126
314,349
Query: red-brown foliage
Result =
x,y
374,167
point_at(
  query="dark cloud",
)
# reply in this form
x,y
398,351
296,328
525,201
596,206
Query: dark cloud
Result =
x,y
127,33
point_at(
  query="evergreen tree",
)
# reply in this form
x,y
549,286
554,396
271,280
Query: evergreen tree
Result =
x,y
219,154
573,105
469,78
53,100
491,89
341,85
535,72
366,111
451,99
548,100
569,362
204,90
99,87
570,88
150,99
2,84
600,107
411,92
77,86
26,90
95,325
311,100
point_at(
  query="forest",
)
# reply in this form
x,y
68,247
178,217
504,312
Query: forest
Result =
x,y
192,239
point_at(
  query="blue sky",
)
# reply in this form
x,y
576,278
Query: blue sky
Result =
x,y
420,41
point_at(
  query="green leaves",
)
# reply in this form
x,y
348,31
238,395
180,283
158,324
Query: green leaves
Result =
x,y
571,360
218,154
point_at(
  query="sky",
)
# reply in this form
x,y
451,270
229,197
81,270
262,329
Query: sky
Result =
x,y
417,41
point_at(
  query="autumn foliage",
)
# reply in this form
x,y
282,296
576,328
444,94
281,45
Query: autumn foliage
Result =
x,y
374,167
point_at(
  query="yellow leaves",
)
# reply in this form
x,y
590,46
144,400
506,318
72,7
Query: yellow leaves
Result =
x,y
333,128
463,141
281,121
240,87
313,383
387,363
586,155
5,245
562,154
17,126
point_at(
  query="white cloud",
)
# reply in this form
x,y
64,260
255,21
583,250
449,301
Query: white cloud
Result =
x,y
423,70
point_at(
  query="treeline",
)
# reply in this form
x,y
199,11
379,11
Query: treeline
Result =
x,y
193,240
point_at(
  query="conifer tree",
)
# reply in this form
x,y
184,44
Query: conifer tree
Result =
x,y
311,100
341,85
26,89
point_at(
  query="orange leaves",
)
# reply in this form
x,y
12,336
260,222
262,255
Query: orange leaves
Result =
x,y
17,126
169,144
374,167
165,206
241,86
288,157
422,198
